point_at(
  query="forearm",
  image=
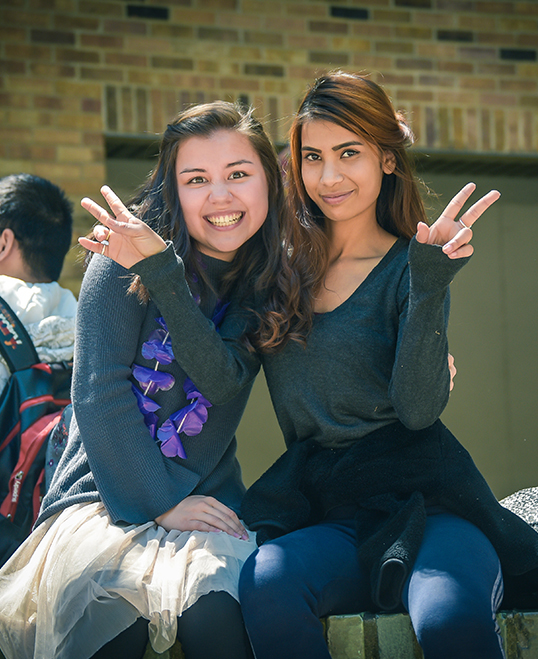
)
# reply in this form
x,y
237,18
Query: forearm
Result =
x,y
420,383
218,364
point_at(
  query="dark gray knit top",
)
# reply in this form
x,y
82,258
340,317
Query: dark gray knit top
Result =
x,y
381,356
110,454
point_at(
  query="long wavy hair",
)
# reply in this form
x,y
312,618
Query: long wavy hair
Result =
x,y
157,202
361,106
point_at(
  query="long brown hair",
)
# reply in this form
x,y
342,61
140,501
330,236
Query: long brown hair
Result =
x,y
361,106
157,202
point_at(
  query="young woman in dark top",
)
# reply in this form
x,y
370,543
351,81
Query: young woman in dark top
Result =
x,y
375,505
140,522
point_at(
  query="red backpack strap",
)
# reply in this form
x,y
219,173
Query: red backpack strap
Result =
x,y
32,440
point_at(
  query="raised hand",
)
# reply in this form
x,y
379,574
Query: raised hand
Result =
x,y
121,236
202,513
454,233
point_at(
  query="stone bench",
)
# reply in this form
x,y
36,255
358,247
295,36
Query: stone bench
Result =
x,y
368,636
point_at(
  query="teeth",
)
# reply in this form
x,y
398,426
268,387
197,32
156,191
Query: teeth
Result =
x,y
224,220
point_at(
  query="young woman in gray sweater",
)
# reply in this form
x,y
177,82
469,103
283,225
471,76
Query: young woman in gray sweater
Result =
x,y
140,525
375,505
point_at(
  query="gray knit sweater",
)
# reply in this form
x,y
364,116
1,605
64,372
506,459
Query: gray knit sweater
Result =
x,y
110,454
379,357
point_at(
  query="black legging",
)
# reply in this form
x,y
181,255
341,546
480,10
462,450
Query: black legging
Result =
x,y
211,628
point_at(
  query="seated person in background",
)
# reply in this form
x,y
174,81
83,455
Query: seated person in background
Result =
x,y
36,223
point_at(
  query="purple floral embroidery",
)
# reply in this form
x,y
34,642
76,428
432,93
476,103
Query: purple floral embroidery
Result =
x,y
189,419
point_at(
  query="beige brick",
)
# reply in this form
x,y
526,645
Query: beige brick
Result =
x,y
10,166
58,171
457,98
263,7
235,20
372,62
74,22
437,81
245,52
414,95
527,70
76,56
517,24
171,31
81,121
32,85
396,47
124,59
474,82
510,85
437,20
77,154
496,38
208,66
275,86
103,74
495,69
192,16
56,136
491,100
305,73
285,24
307,42
264,38
354,45
101,9
54,5
12,34
389,16
109,42
529,101
79,89
412,32
371,30
241,84
309,9
16,17
456,67
52,70
286,56
20,51
11,100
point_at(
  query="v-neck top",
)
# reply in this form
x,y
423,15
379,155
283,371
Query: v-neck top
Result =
x,y
379,357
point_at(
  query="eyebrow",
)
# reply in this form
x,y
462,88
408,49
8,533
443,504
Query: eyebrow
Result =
x,y
334,148
232,164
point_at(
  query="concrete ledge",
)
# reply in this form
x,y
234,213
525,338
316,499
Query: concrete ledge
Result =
x,y
369,636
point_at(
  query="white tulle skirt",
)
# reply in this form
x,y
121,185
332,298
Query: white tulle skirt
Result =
x,y
79,580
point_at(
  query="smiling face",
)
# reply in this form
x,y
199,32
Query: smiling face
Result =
x,y
341,172
222,190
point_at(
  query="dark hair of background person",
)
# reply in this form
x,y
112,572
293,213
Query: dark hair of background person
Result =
x,y
41,218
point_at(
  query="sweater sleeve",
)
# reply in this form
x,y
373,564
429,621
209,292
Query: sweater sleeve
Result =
x,y
420,383
135,481
218,363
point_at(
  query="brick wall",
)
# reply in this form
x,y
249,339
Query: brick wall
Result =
x,y
72,71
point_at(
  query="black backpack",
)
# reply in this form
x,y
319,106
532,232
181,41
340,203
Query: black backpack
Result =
x,y
30,407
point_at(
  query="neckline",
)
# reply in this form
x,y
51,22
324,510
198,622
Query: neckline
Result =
x,y
395,249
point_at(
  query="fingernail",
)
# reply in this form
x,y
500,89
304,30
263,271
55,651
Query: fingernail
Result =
x,y
236,535
244,536
447,249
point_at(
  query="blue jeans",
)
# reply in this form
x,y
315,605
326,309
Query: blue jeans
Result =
x,y
452,594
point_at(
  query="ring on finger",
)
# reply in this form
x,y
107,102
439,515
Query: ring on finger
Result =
x,y
105,242
460,221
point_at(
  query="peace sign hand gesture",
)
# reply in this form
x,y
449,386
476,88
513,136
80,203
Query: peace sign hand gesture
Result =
x,y
454,233
122,237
